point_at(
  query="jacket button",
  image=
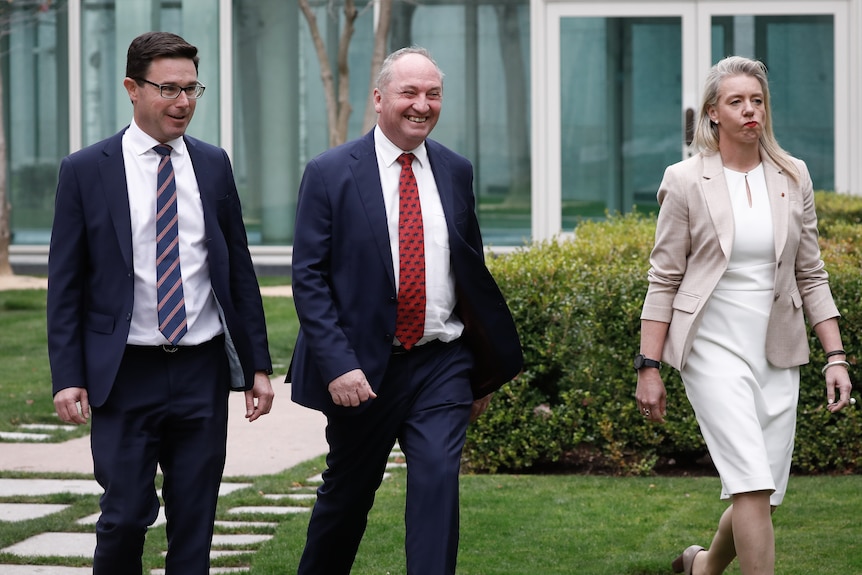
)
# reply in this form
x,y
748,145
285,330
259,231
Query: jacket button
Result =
x,y
776,297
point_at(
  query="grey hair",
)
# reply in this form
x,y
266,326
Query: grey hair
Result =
x,y
706,132
385,74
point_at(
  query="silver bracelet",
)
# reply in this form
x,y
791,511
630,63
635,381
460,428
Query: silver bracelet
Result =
x,y
831,363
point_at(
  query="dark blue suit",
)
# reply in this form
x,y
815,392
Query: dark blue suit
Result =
x,y
134,391
345,295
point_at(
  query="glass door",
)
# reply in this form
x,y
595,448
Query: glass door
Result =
x,y
615,99
798,42
617,85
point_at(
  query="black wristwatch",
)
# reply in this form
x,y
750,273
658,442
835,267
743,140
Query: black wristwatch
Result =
x,y
643,361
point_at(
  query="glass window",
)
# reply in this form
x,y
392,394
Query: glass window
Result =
x,y
801,80
107,28
482,50
621,112
280,113
35,109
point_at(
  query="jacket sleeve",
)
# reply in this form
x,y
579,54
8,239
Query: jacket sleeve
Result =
x,y
669,256
811,276
68,263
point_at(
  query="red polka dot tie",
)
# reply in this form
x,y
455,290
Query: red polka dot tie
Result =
x,y
410,316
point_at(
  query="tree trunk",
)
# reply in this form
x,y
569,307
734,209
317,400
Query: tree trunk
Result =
x,y
381,33
344,107
337,106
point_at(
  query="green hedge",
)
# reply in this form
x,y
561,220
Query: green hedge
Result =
x,y
577,305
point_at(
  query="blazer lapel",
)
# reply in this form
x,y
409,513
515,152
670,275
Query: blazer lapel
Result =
x,y
366,175
717,199
205,174
779,194
113,170
443,178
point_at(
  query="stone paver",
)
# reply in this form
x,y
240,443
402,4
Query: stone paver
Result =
x,y
241,524
293,496
23,436
92,519
241,539
54,545
269,509
44,570
26,511
213,570
24,487
226,487
47,427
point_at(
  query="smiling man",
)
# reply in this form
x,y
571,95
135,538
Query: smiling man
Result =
x,y
154,313
403,331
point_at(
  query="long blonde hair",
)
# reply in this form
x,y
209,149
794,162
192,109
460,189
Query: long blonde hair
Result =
x,y
706,133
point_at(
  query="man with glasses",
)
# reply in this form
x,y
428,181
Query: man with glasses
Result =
x,y
154,313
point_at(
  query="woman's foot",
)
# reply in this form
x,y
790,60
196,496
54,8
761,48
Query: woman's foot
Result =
x,y
685,562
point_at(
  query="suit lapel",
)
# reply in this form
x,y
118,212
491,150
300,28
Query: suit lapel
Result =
x,y
204,175
366,175
113,170
718,201
779,194
442,177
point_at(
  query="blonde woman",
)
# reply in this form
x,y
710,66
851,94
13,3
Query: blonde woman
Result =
x,y
735,271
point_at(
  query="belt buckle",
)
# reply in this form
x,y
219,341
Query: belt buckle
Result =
x,y
168,348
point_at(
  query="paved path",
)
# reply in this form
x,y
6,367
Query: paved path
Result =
x,y
288,435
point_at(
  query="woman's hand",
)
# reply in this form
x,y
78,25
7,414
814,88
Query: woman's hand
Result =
x,y
837,383
651,395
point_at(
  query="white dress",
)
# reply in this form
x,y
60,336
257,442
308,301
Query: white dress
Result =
x,y
745,406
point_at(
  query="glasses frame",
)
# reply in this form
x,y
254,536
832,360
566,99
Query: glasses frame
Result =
x,y
199,89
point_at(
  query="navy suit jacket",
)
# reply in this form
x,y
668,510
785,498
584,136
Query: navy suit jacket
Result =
x,y
344,281
91,279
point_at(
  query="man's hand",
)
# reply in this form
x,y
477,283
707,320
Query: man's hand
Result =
x,y
263,394
351,389
67,402
479,407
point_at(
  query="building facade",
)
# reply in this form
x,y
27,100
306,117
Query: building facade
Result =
x,y
567,108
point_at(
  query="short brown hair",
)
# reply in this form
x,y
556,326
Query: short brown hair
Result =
x,y
153,45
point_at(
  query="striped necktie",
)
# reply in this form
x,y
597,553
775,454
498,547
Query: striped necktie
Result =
x,y
169,280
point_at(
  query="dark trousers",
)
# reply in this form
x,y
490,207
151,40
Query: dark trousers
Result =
x,y
424,402
168,410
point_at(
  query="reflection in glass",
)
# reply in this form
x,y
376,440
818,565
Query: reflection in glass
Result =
x,y
35,106
621,112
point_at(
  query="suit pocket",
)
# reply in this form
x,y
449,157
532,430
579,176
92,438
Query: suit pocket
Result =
x,y
796,299
100,322
686,302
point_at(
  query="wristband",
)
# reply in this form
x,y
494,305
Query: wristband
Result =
x,y
835,352
832,363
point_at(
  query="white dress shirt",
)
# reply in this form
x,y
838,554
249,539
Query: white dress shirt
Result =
x,y
141,163
440,320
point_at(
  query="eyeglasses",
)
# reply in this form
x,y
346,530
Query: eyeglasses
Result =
x,y
171,92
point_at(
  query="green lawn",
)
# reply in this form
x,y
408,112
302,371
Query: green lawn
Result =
x,y
511,524
25,378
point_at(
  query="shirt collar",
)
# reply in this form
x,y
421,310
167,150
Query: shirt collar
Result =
x,y
389,152
141,142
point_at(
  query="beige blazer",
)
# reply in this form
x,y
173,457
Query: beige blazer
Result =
x,y
694,238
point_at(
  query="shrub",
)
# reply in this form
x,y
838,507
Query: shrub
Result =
x,y
577,305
